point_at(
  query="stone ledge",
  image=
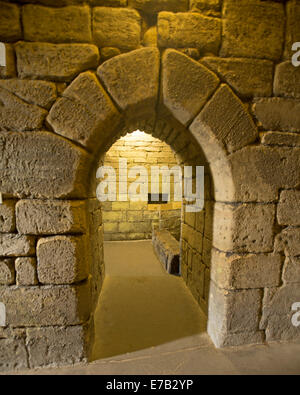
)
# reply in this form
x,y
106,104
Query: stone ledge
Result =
x,y
167,250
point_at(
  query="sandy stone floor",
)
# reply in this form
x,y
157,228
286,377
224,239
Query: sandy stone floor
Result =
x,y
147,322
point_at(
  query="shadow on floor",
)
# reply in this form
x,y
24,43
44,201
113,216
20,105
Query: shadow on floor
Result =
x,y
140,305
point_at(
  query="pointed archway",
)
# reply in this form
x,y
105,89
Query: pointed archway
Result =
x,y
198,116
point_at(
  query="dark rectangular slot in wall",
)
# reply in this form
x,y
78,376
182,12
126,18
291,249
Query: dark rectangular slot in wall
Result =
x,y
158,198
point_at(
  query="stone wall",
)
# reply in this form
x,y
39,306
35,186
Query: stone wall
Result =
x,y
132,220
220,90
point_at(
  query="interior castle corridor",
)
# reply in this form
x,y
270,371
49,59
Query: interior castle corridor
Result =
x,y
210,83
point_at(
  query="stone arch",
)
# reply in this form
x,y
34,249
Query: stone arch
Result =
x,y
144,89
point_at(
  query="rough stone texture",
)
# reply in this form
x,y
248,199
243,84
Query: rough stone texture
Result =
x,y
167,250
17,115
153,6
47,346
244,227
292,27
10,26
288,241
207,7
93,115
248,77
291,270
56,25
7,216
41,93
57,62
185,97
16,245
277,312
287,80
278,114
46,306
61,260
193,53
109,52
7,272
288,211
116,27
226,117
150,37
10,70
232,312
189,30
281,139
26,273
13,355
245,271
50,217
252,28
132,80
259,172
41,165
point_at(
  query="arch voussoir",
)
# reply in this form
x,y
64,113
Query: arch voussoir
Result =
x,y
96,115
185,97
132,80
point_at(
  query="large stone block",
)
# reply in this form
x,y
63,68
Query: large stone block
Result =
x,y
225,116
132,80
277,312
243,227
278,114
41,165
233,313
16,245
41,93
287,80
291,270
252,29
288,211
185,97
292,27
245,271
96,116
259,172
56,345
189,30
10,25
7,272
13,354
7,216
247,77
116,27
46,306
17,115
57,62
57,25
26,273
9,71
288,241
281,139
153,6
61,260
50,217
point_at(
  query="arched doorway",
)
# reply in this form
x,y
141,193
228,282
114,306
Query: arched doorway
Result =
x,y
139,90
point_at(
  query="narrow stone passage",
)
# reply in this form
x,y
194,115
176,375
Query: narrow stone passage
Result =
x,y
140,305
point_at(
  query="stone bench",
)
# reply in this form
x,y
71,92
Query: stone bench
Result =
x,y
167,250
